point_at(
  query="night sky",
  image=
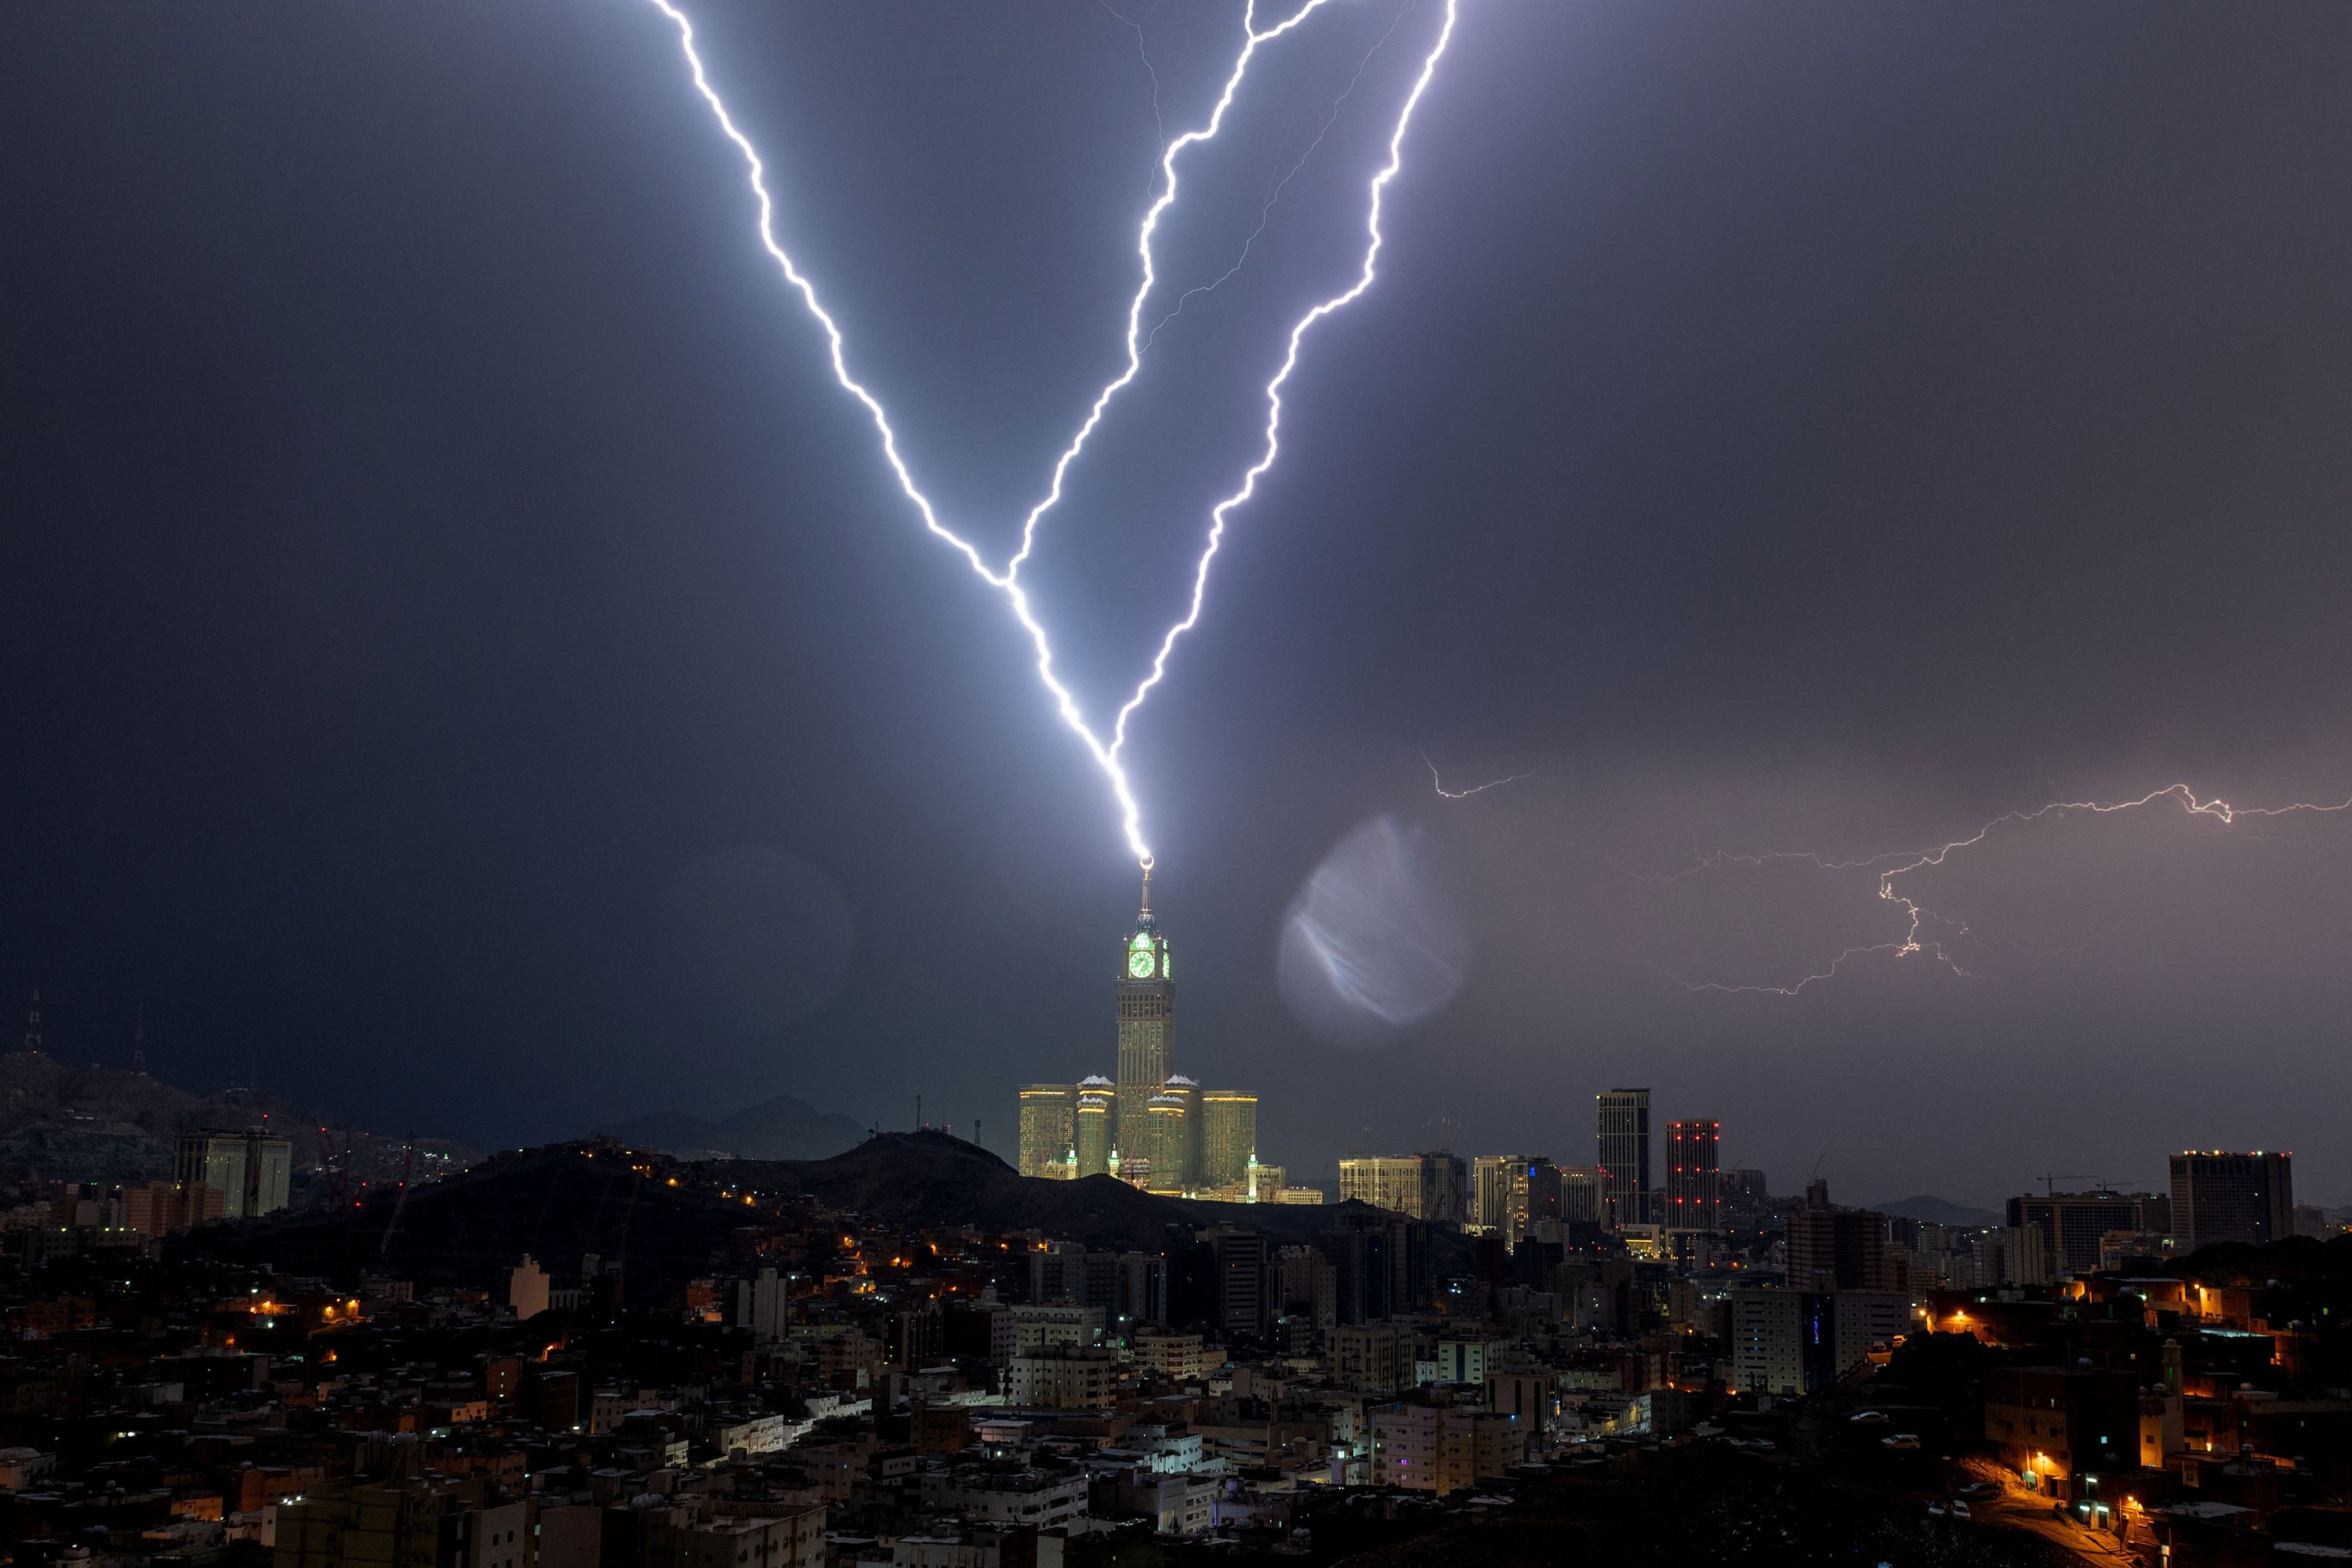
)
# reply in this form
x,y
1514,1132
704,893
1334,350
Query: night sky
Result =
x,y
464,663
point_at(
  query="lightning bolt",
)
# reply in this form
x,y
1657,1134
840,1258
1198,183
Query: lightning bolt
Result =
x,y
1105,753
1896,864
1219,514
1474,789
1159,121
1275,195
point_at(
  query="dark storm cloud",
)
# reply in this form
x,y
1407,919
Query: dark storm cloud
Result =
x,y
429,527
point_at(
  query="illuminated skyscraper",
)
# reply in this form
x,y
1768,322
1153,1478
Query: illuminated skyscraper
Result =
x,y
1048,1125
1094,1126
1432,1186
1624,1157
1501,1187
1189,1092
1146,1025
1167,1141
1693,1200
1228,1136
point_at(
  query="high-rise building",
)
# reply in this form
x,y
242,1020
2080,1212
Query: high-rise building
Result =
x,y
1579,1192
1694,1194
252,1170
1093,1118
2218,1196
1841,1249
1228,1136
1189,1092
1506,1191
1146,999
1432,1186
1625,1156
1166,1139
2072,1224
1204,1141
1048,1125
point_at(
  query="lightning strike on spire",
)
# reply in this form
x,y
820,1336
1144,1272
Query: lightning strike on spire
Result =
x,y
1105,755
1218,514
1916,914
1474,789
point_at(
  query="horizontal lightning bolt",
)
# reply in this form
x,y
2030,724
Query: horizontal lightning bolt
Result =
x,y
1474,789
1106,754
1900,863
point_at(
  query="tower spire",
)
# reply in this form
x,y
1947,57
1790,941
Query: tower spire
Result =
x,y
33,1026
1146,889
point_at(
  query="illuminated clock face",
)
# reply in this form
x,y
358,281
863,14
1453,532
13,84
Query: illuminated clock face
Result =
x,y
1139,963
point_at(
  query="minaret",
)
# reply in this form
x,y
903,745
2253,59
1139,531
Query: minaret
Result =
x,y
1146,1005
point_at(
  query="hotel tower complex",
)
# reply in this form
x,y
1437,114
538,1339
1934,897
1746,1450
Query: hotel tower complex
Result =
x,y
1150,1125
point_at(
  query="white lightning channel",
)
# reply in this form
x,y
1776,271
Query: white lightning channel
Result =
x,y
1251,39
1106,754
1266,213
1437,781
1159,121
1223,509
1064,703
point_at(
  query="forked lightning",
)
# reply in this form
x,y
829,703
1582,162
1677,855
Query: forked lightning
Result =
x,y
1105,752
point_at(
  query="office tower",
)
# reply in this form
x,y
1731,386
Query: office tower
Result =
x,y
1390,1182
1693,1196
2218,1196
1146,999
1228,1136
1432,1186
1506,1192
1237,1275
1166,1139
1579,1192
2072,1224
1625,1156
252,1170
1093,1119
1048,1125
1841,1249
1742,1191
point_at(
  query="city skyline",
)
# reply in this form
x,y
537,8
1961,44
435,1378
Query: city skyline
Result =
x,y
473,672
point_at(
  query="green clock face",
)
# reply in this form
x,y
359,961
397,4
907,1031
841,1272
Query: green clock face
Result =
x,y
1139,963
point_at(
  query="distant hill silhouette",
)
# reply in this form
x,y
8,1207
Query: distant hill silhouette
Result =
x,y
934,1178
784,1127
82,1122
558,1204
562,1203
1930,1210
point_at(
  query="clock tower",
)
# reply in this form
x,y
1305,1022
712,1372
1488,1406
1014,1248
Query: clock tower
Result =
x,y
1146,1025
